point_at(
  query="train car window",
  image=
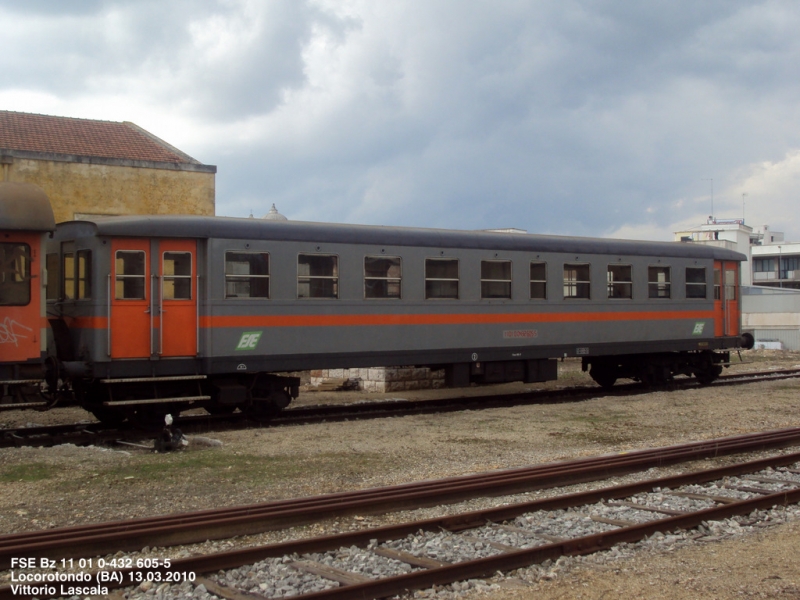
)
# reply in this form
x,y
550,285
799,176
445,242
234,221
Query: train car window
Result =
x,y
620,281
538,280
68,270
696,282
576,281
130,275
76,270
495,279
717,283
730,284
83,275
53,264
659,282
317,276
177,284
246,275
382,277
15,274
441,278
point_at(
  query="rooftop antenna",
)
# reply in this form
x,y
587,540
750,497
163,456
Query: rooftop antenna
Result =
x,y
743,195
712,195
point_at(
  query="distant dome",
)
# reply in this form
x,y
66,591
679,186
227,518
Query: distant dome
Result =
x,y
274,215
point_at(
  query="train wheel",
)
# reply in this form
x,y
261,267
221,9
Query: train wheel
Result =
x,y
708,373
604,377
270,406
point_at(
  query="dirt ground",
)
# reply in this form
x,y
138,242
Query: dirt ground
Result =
x,y
62,486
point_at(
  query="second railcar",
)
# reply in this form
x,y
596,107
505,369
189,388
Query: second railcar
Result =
x,y
155,313
25,220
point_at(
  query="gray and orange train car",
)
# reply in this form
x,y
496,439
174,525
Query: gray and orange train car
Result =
x,y
26,218
162,313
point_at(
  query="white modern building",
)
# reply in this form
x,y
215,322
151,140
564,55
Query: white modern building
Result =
x,y
771,278
731,234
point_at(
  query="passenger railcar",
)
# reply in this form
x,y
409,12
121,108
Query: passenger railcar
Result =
x,y
161,313
26,217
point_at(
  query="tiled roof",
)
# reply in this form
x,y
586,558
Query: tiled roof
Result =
x,y
83,137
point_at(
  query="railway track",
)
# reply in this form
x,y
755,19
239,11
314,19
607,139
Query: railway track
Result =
x,y
384,561
98,433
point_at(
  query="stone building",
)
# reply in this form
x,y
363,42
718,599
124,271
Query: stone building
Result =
x,y
94,168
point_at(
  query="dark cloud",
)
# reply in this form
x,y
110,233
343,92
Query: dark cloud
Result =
x,y
577,116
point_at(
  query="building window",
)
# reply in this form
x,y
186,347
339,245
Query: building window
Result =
x,y
538,280
576,281
15,274
317,276
130,275
658,282
441,278
763,265
495,279
620,284
177,282
790,265
382,277
695,282
246,275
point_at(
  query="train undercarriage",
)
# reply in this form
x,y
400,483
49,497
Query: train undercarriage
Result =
x,y
656,369
144,401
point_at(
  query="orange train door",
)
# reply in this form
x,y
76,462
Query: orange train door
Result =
x,y
131,315
178,298
726,300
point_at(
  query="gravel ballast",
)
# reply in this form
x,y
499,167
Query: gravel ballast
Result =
x,y
55,487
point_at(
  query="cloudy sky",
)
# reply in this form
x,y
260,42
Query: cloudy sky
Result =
x,y
609,118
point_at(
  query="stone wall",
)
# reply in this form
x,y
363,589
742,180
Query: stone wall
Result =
x,y
383,379
118,187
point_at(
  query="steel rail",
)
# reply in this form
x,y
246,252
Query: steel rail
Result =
x,y
185,528
509,560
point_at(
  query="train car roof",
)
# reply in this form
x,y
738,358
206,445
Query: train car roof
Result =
x,y
177,226
25,207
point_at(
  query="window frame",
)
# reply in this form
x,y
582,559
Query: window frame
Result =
x,y
538,281
612,284
174,278
333,278
509,281
389,280
121,278
696,284
235,277
577,283
667,285
26,274
457,279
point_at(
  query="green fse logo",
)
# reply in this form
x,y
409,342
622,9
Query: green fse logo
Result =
x,y
249,340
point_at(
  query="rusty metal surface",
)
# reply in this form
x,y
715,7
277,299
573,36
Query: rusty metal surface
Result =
x,y
187,528
507,561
